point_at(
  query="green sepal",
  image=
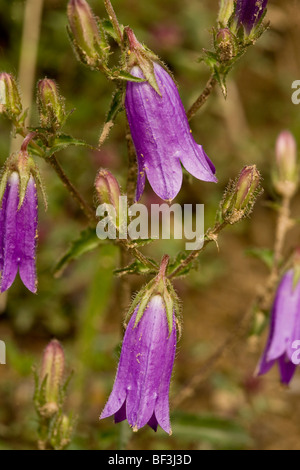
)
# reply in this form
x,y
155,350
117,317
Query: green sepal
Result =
x,y
3,184
176,307
137,299
169,305
143,305
123,75
116,105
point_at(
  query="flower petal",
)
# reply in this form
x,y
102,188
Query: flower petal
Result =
x,y
10,266
120,415
2,227
284,312
162,412
286,368
27,237
148,357
153,422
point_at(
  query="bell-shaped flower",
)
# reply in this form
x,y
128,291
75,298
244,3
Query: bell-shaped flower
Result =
x,y
284,335
249,13
141,390
18,233
160,130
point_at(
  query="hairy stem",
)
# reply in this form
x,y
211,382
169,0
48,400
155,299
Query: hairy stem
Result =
x,y
262,302
282,227
132,168
211,235
28,56
201,100
113,18
88,211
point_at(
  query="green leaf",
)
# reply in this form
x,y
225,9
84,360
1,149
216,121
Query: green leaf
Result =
x,y
86,242
116,106
221,433
221,79
135,268
264,254
123,75
62,142
107,26
174,264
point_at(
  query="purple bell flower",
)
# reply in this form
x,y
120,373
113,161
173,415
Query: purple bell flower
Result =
x,y
249,13
141,390
18,234
162,136
284,329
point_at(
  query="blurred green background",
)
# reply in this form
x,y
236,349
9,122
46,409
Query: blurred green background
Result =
x,y
229,408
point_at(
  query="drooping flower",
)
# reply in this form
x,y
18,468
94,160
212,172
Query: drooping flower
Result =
x,y
284,328
160,130
141,389
249,13
18,233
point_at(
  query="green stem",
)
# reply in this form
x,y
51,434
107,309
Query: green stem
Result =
x,y
113,18
210,236
201,100
132,167
88,211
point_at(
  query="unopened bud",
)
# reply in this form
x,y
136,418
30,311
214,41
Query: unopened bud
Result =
x,y
51,104
52,371
88,41
108,191
225,44
241,194
10,101
108,188
225,11
285,178
61,438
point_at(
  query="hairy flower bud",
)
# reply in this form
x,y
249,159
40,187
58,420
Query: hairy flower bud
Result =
x,y
87,37
107,188
240,195
108,191
285,177
52,371
225,44
10,101
51,104
61,438
225,11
